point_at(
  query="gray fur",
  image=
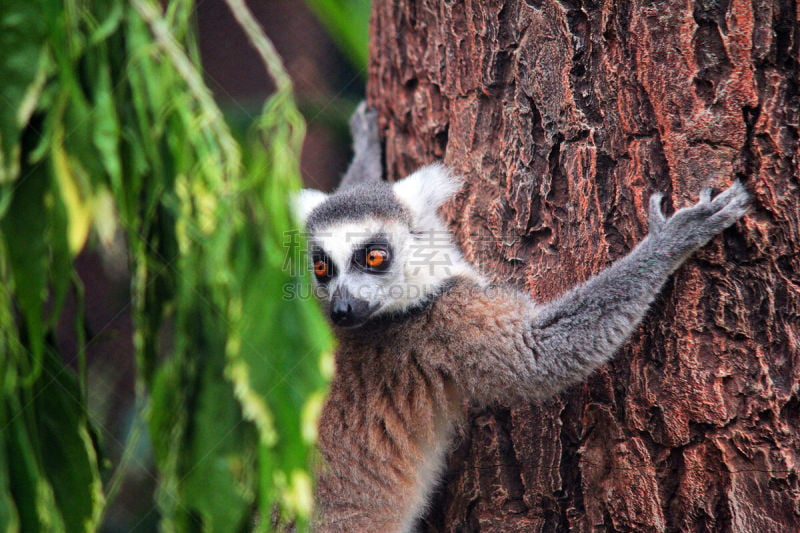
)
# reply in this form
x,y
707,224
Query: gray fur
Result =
x,y
355,203
366,166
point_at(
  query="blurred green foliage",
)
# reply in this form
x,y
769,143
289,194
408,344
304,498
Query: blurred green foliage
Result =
x,y
113,134
347,22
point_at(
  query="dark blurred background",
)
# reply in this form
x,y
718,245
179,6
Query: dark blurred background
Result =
x,y
327,86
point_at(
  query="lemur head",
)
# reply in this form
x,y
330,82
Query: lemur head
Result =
x,y
379,248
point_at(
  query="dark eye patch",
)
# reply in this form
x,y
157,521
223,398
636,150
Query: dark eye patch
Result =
x,y
374,256
322,266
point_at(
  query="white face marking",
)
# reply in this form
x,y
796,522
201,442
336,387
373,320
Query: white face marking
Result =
x,y
419,263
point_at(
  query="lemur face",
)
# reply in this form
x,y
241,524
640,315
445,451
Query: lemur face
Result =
x,y
360,267
380,248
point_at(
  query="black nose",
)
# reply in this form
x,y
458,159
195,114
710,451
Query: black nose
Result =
x,y
347,311
341,310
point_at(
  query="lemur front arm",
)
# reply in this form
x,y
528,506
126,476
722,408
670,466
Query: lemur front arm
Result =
x,y
585,327
536,350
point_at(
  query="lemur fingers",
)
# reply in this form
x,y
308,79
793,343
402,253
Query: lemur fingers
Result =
x,y
691,227
723,210
656,218
734,204
735,194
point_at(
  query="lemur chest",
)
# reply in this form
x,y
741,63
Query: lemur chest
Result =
x,y
390,401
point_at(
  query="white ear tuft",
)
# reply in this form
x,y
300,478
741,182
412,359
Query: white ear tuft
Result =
x,y
425,190
305,201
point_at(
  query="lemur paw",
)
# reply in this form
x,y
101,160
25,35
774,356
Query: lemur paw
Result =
x,y
364,124
692,227
714,215
656,218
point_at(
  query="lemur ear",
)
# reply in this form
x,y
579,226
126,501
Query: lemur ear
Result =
x,y
425,190
305,201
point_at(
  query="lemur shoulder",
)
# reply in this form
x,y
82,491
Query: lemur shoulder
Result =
x,y
420,331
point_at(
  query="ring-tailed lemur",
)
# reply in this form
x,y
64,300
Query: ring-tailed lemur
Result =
x,y
420,331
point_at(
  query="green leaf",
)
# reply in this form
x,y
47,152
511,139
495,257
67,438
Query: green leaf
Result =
x,y
23,229
23,33
9,518
31,491
168,415
220,483
67,451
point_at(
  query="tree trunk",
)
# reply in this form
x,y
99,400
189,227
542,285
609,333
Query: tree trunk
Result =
x,y
564,117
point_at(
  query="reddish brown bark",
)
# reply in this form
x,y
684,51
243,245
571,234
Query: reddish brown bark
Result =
x,y
564,117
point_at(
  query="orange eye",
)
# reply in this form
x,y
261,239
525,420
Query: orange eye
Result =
x,y
321,268
375,258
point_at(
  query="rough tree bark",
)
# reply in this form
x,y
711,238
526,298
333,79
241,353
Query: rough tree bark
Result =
x,y
564,116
